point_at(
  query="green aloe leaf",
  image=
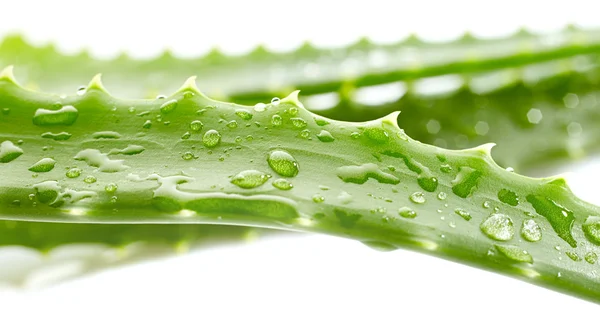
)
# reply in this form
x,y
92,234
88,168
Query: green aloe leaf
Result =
x,y
187,159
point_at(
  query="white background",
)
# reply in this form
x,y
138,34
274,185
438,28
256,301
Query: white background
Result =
x,y
300,273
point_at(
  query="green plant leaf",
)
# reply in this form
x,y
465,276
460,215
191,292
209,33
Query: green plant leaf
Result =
x,y
189,164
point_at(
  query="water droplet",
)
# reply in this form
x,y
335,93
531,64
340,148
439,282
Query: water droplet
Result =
x,y
211,138
249,179
508,197
465,182
276,120
325,136
283,184
168,106
81,91
355,135
283,163
442,196
9,152
63,116
293,111
463,213
298,123
244,114
531,231
106,135
591,229
417,197
407,213
232,124
560,218
73,173
591,257
90,179
111,188
186,135
318,198
510,169
360,174
188,156
196,125
159,97
377,135
515,253
573,256
260,107
445,168
498,227
147,124
275,101
44,165
188,94
62,136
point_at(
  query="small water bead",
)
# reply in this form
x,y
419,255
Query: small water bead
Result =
x,y
159,97
355,135
244,114
276,120
298,123
417,198
463,213
275,101
510,169
305,134
531,231
498,227
188,94
486,204
211,138
407,213
573,256
260,107
147,124
113,199
325,136
73,173
318,198
90,179
44,165
283,184
442,196
232,124
293,111
81,90
111,188
238,139
377,135
249,138
591,257
168,106
249,179
188,156
186,135
196,125
283,163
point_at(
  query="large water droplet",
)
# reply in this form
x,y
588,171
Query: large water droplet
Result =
x,y
465,182
168,106
531,231
211,138
508,197
591,229
63,116
283,163
244,114
283,184
196,125
44,165
515,253
560,218
407,213
325,136
417,197
360,174
249,179
9,151
498,227
591,257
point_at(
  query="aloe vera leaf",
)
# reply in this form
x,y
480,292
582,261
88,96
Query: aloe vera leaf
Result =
x,y
371,183
309,69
